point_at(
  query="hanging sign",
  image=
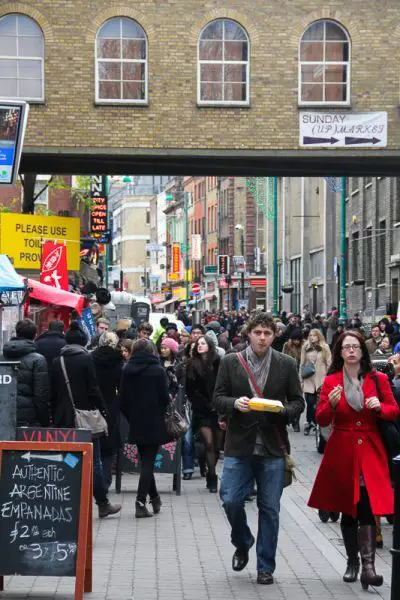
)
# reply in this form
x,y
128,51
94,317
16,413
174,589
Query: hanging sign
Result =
x,y
196,246
54,270
98,215
176,258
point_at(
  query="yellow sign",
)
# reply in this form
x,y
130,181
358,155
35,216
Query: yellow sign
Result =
x,y
179,293
173,277
21,238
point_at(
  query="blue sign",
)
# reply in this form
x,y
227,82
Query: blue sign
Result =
x,y
87,323
13,116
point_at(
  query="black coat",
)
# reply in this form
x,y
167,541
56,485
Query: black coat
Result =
x,y
33,386
282,384
144,398
85,390
108,366
200,390
49,345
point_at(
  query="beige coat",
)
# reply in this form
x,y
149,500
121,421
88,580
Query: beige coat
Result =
x,y
322,361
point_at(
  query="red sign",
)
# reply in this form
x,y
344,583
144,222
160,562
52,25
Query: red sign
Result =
x,y
196,288
258,282
54,270
98,217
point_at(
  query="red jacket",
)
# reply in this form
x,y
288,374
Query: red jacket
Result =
x,y
354,447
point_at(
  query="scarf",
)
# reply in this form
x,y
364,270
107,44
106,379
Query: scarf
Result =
x,y
353,392
259,366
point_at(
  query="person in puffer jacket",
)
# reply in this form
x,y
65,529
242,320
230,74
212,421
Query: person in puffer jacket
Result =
x,y
33,386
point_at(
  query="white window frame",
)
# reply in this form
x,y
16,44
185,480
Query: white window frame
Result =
x,y
17,58
323,64
121,61
223,62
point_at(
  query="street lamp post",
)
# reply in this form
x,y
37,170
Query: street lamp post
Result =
x,y
343,258
244,262
275,249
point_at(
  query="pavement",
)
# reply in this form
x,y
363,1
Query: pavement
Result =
x,y
184,553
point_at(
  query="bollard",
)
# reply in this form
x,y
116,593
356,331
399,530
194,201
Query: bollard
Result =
x,y
395,594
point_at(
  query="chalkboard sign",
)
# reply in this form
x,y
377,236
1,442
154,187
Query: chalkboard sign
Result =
x,y
45,493
8,399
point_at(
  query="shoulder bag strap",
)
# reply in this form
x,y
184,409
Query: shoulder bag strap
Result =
x,y
64,370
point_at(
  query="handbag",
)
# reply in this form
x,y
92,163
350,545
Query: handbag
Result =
x,y
176,425
388,429
85,419
289,464
308,371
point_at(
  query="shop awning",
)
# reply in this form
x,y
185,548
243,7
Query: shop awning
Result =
x,y
51,295
166,303
10,281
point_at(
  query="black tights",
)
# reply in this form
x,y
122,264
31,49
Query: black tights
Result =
x,y
212,439
364,511
147,483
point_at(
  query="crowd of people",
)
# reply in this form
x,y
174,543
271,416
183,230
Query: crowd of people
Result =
x,y
218,365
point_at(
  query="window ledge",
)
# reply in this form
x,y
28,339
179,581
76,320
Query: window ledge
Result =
x,y
301,105
115,103
381,285
222,105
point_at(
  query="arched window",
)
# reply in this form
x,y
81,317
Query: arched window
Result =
x,y
121,62
223,64
21,58
324,64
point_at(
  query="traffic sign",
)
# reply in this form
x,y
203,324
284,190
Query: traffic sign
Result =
x,y
196,289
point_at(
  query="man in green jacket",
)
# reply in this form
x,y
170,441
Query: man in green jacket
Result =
x,y
256,441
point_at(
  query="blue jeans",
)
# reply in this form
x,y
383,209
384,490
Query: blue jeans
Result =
x,y
99,486
188,451
237,481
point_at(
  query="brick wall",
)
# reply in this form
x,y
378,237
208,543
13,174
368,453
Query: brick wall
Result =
x,y
69,117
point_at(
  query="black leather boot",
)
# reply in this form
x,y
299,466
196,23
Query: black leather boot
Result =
x,y
213,484
350,539
367,545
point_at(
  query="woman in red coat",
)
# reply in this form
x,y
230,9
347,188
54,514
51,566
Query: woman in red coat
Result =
x,y
354,476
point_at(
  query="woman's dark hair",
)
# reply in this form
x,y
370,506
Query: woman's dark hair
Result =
x,y
196,364
160,339
337,360
143,345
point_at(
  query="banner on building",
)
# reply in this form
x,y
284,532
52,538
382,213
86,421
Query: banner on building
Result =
x,y
54,269
176,258
239,264
223,264
196,246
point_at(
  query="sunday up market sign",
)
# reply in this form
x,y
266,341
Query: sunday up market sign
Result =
x,y
343,130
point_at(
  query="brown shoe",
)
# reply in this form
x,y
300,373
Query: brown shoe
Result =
x,y
108,509
156,502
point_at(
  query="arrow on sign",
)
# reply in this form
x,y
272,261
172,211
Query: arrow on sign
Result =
x,y
318,140
50,457
353,141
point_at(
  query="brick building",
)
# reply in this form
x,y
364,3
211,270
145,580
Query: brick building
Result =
x,y
128,84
